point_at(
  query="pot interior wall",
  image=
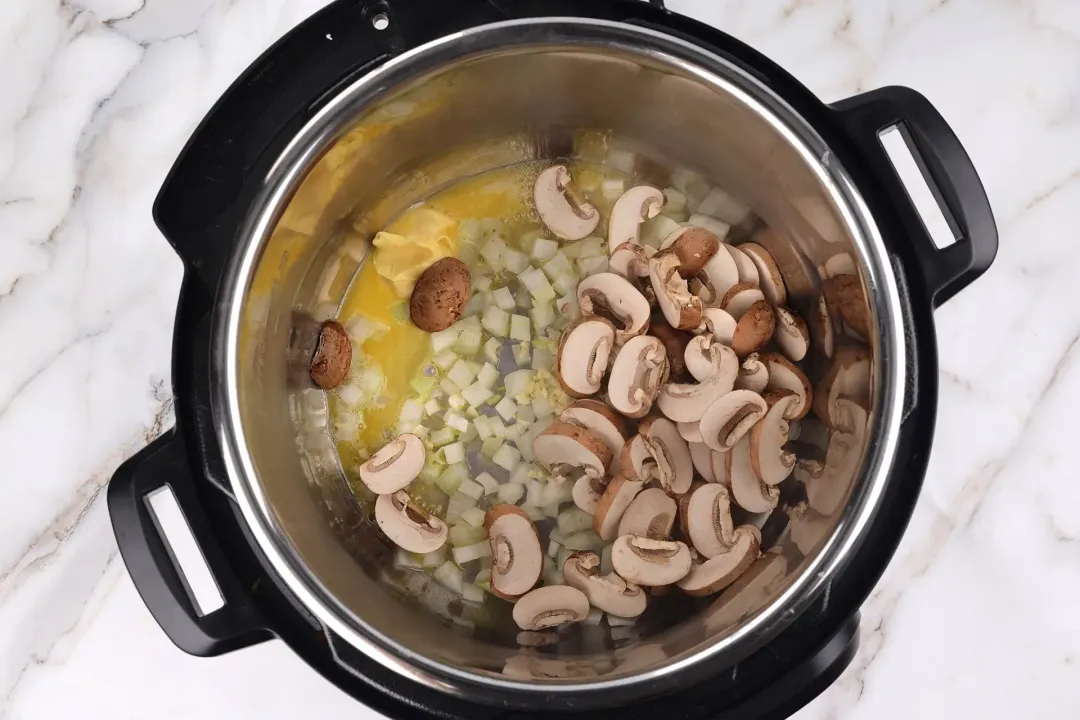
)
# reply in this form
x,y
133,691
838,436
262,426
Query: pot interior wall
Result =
x,y
525,101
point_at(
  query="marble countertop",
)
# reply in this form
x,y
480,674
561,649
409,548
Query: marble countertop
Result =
x,y
976,615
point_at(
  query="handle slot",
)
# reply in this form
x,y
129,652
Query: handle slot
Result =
x,y
192,568
925,197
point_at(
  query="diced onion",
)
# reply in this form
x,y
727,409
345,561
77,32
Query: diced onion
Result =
x,y
535,497
544,249
565,284
551,510
517,382
488,375
542,314
586,540
450,576
616,621
542,407
474,516
515,261
350,394
462,374
454,453
718,228
535,514
483,577
553,549
468,553
456,402
494,253
449,387
520,474
593,265
519,328
492,349
510,494
481,283
613,188
443,339
491,446
434,558
592,247
507,457
719,204
411,413
537,283
503,299
557,266
471,488
552,573
464,534
526,414
405,559
450,479
445,359
476,394
468,343
472,593
455,421
521,354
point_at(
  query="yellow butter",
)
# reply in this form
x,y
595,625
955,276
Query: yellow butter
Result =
x,y
419,238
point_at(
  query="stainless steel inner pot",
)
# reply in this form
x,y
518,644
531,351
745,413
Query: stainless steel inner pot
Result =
x,y
446,111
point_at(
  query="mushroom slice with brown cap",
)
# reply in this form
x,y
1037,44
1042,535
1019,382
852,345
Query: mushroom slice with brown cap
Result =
x,y
516,556
753,374
718,572
708,520
730,418
674,468
633,207
749,493
682,508
719,324
564,447
845,296
675,342
791,334
687,402
587,492
747,270
408,525
636,460
681,309
610,592
694,246
754,329
769,278
613,297
784,375
821,328
704,357
650,514
740,298
394,465
771,463
561,209
690,432
717,277
849,377
607,424
639,369
649,562
582,359
550,606
618,495
630,260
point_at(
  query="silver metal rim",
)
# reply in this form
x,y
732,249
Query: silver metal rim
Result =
x,y
710,69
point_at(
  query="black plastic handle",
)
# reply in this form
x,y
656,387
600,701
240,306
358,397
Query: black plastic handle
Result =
x,y
152,567
948,171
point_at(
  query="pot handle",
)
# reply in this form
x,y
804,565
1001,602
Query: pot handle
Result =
x,y
949,173
153,566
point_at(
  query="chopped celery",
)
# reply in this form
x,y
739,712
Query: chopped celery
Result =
x,y
593,265
441,437
468,343
423,384
565,284
450,479
464,534
537,283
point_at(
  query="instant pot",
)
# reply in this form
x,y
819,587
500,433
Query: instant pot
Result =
x,y
370,106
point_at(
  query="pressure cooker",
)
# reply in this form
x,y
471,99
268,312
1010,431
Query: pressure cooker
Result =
x,y
438,87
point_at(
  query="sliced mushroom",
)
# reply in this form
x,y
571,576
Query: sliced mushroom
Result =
x,y
718,323
753,374
516,556
730,418
607,424
675,342
769,278
709,525
560,207
840,264
674,468
634,207
550,606
704,357
618,495
791,334
845,296
722,570
681,309
849,376
582,359
690,432
717,277
771,463
682,508
784,375
394,465
650,562
695,246
333,356
610,592
740,298
750,493
687,402
650,514
408,525
639,369
701,455
636,460
747,270
563,447
754,329
613,297
821,328
588,491
630,260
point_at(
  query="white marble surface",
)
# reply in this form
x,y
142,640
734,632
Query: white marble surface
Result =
x,y
975,616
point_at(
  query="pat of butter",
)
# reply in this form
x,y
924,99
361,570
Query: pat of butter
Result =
x,y
414,242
